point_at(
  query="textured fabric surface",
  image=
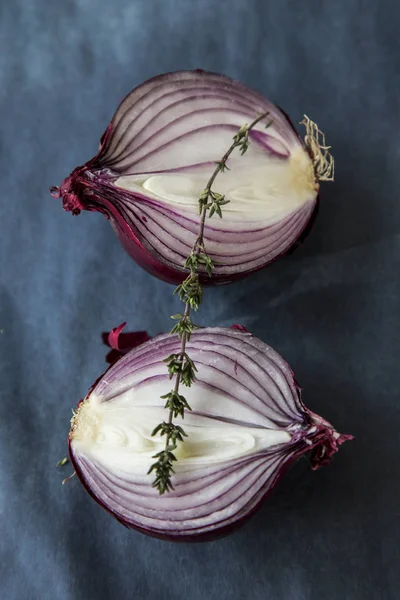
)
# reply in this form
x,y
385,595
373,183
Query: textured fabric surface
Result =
x,y
331,309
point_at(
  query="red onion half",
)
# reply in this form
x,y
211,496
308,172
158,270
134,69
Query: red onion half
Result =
x,y
157,155
247,424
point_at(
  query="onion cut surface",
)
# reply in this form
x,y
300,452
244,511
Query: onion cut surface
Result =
x,y
247,424
157,155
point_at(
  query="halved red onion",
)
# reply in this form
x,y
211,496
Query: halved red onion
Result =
x,y
247,424
156,157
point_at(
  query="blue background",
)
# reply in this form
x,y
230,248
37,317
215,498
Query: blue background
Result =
x,y
331,309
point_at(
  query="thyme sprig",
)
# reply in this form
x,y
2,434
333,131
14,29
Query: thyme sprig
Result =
x,y
190,292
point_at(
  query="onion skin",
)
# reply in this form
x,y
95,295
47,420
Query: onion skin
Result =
x,y
320,441
91,187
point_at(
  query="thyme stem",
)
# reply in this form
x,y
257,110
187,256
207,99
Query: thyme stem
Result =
x,y
221,166
181,357
190,292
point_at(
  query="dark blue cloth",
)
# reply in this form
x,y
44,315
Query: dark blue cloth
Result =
x,y
331,309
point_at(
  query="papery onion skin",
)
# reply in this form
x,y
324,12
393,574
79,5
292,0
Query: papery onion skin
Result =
x,y
282,401
140,217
